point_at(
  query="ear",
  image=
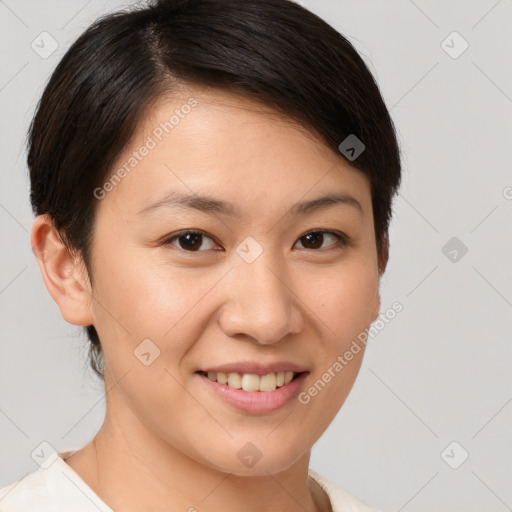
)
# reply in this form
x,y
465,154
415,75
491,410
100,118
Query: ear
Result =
x,y
63,273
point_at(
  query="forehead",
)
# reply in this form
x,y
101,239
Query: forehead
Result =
x,y
204,140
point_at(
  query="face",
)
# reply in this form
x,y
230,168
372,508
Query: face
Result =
x,y
261,278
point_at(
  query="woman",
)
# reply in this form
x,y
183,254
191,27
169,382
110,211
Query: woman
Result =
x,y
212,182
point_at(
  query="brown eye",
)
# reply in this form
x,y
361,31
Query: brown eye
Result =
x,y
190,241
315,239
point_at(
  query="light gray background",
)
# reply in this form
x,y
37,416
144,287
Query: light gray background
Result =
x,y
439,372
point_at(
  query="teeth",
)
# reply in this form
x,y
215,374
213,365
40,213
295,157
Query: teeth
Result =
x,y
268,382
252,382
234,380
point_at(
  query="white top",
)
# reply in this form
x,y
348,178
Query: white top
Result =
x,y
56,487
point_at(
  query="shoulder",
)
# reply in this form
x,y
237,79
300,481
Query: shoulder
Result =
x,y
53,487
30,492
341,500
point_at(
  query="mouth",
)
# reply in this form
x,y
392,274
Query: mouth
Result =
x,y
252,382
251,393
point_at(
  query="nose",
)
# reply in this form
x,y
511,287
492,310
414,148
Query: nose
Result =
x,y
261,304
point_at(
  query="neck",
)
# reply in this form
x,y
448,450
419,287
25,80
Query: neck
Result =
x,y
131,469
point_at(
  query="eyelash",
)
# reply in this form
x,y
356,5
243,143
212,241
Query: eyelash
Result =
x,y
343,240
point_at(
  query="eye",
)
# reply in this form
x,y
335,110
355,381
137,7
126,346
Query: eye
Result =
x,y
190,241
315,239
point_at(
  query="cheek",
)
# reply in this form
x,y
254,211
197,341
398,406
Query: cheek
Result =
x,y
344,300
142,293
343,306
140,298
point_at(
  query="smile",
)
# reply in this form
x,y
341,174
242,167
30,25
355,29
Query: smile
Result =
x,y
251,393
251,381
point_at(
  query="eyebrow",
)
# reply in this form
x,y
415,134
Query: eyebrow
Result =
x,y
211,205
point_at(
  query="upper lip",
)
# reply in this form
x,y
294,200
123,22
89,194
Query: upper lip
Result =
x,y
256,368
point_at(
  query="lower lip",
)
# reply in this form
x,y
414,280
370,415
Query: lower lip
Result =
x,y
255,402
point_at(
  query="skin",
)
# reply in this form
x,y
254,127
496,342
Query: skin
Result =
x,y
167,443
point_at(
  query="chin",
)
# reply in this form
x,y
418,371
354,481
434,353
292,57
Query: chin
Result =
x,y
252,459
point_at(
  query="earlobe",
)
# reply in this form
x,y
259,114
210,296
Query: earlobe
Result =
x,y
63,273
